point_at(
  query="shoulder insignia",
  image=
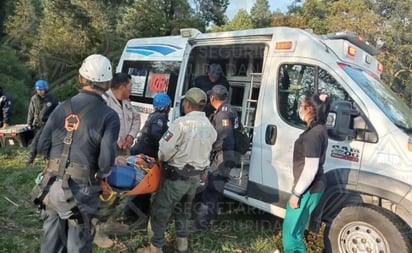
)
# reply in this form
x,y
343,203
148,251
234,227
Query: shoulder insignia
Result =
x,y
167,135
159,122
225,123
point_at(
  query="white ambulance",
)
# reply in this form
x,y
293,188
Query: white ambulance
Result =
x,y
367,204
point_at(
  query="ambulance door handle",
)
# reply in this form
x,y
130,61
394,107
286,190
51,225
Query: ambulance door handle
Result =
x,y
271,134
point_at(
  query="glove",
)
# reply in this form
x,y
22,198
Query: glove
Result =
x,y
5,125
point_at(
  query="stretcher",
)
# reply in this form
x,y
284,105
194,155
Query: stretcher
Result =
x,y
140,175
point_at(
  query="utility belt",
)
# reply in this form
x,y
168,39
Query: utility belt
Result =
x,y
75,171
174,173
79,173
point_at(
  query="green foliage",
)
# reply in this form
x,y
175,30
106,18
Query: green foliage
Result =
x,y
242,20
211,11
260,14
6,7
148,18
67,89
15,80
22,27
242,229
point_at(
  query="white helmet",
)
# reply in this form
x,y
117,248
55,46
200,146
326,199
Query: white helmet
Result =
x,y
96,68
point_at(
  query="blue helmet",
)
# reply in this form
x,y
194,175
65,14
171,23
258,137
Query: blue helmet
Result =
x,y
41,85
161,100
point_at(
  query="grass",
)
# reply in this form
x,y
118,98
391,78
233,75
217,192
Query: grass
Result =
x,y
242,229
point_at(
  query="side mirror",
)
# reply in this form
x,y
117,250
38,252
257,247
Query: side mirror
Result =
x,y
340,120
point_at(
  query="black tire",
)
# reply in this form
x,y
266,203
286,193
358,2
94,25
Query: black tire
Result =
x,y
366,228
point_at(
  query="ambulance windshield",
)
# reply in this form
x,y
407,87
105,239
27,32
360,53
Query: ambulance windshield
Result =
x,y
393,107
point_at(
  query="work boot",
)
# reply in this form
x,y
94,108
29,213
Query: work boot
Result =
x,y
150,249
101,239
181,244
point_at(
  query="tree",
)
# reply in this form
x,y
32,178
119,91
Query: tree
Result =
x,y
67,33
395,36
15,79
147,18
22,27
211,11
6,6
240,21
260,14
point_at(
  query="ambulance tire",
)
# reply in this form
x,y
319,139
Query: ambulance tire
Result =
x,y
367,228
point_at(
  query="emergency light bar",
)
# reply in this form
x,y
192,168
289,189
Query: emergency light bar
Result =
x,y
355,40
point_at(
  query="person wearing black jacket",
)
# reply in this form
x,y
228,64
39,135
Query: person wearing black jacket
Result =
x,y
148,144
41,105
223,157
79,142
206,82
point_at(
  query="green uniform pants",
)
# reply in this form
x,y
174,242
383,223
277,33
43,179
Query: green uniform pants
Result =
x,y
173,196
295,222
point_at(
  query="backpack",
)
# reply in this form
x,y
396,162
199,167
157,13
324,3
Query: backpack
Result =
x,y
242,140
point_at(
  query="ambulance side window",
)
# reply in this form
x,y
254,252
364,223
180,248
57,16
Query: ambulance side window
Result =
x,y
295,80
152,77
328,85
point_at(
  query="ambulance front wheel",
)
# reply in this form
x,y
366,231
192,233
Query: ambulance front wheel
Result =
x,y
366,228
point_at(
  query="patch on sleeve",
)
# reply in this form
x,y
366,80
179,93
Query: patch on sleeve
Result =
x,y
159,122
167,136
225,123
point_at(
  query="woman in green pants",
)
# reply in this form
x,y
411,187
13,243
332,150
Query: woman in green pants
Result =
x,y
309,180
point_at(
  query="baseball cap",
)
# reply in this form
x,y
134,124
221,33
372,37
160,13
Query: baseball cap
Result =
x,y
215,70
195,96
218,91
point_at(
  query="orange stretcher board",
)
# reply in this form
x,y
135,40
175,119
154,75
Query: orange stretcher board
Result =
x,y
149,184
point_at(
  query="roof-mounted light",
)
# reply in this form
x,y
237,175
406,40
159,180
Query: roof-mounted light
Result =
x,y
284,45
354,39
189,32
380,67
351,51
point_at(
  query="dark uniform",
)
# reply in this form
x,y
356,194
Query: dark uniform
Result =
x,y
224,120
93,147
152,131
40,109
203,82
148,144
5,108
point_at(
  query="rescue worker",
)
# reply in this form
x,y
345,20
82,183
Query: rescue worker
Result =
x,y
206,82
184,148
79,141
41,105
148,144
118,100
223,157
5,109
